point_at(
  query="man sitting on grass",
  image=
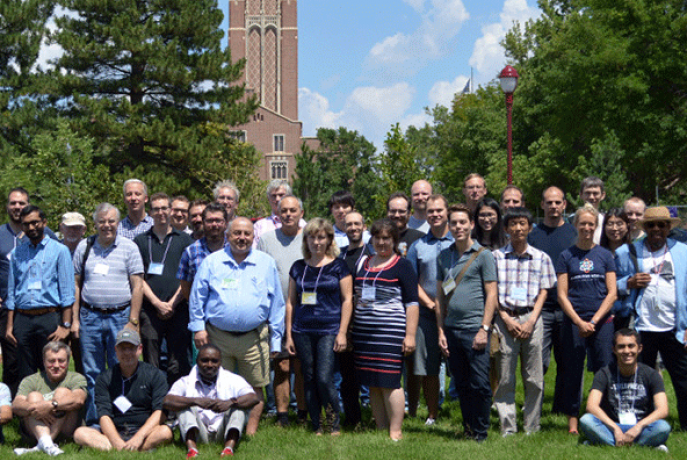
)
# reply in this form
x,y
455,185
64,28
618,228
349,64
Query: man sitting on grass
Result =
x,y
49,402
210,402
627,403
5,408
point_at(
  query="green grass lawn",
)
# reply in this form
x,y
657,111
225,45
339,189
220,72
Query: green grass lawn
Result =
x,y
420,442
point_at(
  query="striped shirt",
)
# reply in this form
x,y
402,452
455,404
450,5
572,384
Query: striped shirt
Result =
x,y
107,272
522,277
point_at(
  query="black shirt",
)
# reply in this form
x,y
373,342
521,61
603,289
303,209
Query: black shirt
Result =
x,y
408,237
553,241
354,256
165,285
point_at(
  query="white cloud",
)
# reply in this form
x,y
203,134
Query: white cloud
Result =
x,y
442,92
369,110
403,54
488,56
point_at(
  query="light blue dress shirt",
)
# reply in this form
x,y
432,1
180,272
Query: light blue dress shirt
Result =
x,y
238,297
40,276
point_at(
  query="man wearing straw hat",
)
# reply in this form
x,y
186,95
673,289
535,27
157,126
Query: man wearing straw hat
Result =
x,y
652,275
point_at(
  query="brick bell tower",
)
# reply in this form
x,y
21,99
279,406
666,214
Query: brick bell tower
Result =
x,y
265,33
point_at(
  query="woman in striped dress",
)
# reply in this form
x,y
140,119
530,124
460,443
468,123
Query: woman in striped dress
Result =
x,y
385,321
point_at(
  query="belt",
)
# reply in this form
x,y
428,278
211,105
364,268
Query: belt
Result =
x,y
240,333
109,310
38,311
518,311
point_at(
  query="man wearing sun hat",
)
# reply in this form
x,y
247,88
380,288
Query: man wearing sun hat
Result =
x,y
73,228
652,276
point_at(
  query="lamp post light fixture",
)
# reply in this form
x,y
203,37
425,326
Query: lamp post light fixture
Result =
x,y
509,81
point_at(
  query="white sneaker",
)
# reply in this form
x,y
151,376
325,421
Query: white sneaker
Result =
x,y
52,450
24,450
662,448
430,421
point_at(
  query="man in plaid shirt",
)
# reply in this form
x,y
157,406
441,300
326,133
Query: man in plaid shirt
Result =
x,y
524,275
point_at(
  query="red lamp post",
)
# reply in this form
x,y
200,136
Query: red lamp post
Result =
x,y
509,81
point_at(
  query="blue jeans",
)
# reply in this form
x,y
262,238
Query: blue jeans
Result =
x,y
653,435
316,353
98,332
470,371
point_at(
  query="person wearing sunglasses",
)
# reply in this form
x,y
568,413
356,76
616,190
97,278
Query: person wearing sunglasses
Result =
x,y
652,273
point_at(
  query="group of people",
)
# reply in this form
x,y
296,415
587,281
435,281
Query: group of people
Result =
x,y
346,310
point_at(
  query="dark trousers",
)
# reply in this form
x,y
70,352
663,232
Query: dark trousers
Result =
x,y
674,358
470,370
10,366
32,334
599,346
175,330
552,322
350,389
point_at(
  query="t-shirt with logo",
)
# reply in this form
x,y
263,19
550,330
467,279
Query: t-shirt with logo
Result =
x,y
586,269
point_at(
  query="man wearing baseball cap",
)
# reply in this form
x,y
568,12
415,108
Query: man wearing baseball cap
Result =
x,y
128,399
652,276
73,228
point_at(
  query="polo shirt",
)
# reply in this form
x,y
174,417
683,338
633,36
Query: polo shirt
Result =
x,y
40,276
422,255
122,259
168,252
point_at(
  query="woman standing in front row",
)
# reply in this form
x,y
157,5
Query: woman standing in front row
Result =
x,y
586,292
384,325
318,311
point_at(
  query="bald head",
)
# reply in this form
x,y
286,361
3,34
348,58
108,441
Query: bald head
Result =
x,y
240,236
419,192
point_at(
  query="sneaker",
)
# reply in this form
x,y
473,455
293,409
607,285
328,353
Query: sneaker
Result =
x,y
662,448
192,453
506,434
24,450
52,450
430,421
227,452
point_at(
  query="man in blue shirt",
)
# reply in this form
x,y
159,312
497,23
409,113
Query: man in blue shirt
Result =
x,y
40,292
237,303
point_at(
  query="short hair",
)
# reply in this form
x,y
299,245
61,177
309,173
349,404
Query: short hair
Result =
x,y
549,188
200,202
215,207
438,196
135,181
317,225
289,195
28,209
591,181
342,197
55,346
386,225
474,176
516,213
627,332
209,346
460,207
619,213
587,208
179,198
21,190
160,196
634,199
395,195
513,187
278,183
226,184
104,208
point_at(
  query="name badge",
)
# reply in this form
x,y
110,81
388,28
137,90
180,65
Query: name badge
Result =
x,y
519,294
627,418
101,269
35,285
369,293
155,268
448,286
309,298
230,283
122,403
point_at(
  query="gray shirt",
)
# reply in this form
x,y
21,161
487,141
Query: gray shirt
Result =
x,y
285,250
418,224
466,306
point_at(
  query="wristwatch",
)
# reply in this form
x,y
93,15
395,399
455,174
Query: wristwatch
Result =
x,y
54,404
486,328
66,324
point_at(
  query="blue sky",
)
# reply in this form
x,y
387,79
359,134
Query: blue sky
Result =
x,y
369,64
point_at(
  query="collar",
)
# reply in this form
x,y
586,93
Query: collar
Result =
x,y
430,236
508,249
114,244
250,258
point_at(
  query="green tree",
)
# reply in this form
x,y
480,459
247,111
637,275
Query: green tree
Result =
x,y
344,160
150,80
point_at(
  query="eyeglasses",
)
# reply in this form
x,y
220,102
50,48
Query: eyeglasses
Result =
x,y
160,209
660,225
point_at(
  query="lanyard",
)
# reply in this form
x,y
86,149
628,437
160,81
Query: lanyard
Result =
x,y
362,253
374,282
317,281
150,249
